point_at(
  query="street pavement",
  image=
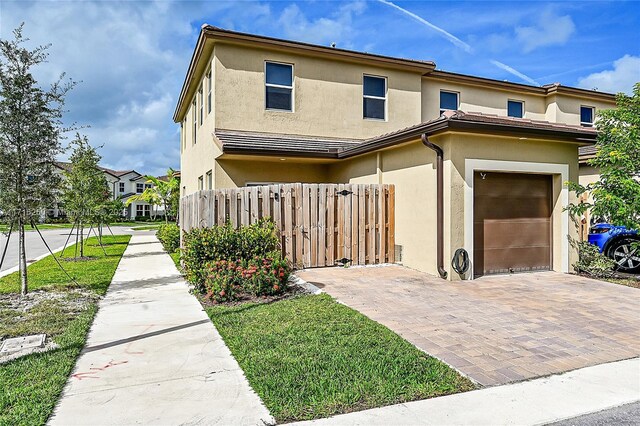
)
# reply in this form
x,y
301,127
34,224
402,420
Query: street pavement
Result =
x,y
35,248
626,415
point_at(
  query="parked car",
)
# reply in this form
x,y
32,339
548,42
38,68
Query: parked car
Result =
x,y
619,244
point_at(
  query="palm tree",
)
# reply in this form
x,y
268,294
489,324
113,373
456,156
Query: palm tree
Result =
x,y
162,192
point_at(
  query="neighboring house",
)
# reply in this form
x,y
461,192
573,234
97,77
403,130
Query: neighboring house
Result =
x,y
123,184
256,110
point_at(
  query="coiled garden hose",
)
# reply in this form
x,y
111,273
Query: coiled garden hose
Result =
x,y
460,262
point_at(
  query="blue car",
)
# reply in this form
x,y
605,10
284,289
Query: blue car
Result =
x,y
619,244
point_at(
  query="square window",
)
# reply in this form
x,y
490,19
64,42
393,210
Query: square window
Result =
x,y
139,188
515,109
121,186
374,91
448,101
586,116
279,86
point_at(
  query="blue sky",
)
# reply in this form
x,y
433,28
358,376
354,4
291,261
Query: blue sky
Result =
x,y
131,56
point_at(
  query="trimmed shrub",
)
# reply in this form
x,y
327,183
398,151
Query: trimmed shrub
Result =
x,y
204,245
169,236
592,262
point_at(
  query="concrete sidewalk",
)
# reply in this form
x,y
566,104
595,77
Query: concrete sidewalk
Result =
x,y
534,402
153,356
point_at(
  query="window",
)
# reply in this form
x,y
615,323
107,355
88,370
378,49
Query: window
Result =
x,y
200,99
139,188
147,186
200,183
515,109
374,90
182,136
210,179
143,210
121,186
586,116
209,89
195,121
279,86
448,100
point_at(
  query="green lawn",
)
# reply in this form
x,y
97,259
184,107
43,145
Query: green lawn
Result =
x,y
43,226
175,256
30,386
147,227
310,357
94,274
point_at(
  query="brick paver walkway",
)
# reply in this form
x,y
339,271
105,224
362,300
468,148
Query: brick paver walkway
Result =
x,y
496,329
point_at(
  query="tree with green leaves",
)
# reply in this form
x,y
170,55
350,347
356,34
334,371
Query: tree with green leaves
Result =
x,y
85,191
31,130
616,195
162,192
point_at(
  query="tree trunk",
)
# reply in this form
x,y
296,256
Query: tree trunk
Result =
x,y
81,241
166,219
22,261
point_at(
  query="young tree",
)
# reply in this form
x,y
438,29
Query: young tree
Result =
x,y
85,191
616,195
30,133
164,192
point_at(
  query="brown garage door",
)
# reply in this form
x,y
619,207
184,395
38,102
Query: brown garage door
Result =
x,y
512,222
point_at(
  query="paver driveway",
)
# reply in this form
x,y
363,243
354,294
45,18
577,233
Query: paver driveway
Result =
x,y
496,329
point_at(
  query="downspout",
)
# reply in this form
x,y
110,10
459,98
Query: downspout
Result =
x,y
439,205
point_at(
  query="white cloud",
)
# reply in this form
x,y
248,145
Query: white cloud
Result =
x,y
550,29
338,27
625,73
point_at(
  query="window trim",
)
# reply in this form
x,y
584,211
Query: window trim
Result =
x,y
593,116
279,86
209,176
121,187
209,90
517,101
194,106
385,99
200,183
138,188
201,102
448,91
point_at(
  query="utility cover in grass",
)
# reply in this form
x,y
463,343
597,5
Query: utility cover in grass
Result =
x,y
310,357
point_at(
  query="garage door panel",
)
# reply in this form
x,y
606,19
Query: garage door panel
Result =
x,y
512,222
520,259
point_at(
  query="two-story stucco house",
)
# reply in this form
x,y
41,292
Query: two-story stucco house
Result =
x,y
123,184
256,109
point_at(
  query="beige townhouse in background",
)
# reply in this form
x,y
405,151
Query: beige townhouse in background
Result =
x,y
257,110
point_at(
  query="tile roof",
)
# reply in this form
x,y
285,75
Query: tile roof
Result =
x,y
65,165
238,141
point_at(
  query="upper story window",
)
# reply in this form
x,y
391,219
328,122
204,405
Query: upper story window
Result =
x,y
279,86
209,89
139,188
449,101
200,99
195,121
121,186
210,179
200,183
586,116
515,109
374,90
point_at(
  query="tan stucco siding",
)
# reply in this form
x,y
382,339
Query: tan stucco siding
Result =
x,y
566,109
198,158
237,173
327,95
478,99
459,148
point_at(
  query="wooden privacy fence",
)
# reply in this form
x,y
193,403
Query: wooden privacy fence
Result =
x,y
319,224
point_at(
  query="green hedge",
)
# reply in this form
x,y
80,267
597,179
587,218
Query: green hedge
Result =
x,y
223,262
169,236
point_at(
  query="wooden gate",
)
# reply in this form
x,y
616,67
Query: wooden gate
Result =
x,y
319,224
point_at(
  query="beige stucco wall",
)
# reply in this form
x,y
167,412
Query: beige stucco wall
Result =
x,y
327,95
237,173
478,99
566,109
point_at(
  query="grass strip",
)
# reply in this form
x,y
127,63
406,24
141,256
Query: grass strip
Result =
x,y
30,386
310,357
